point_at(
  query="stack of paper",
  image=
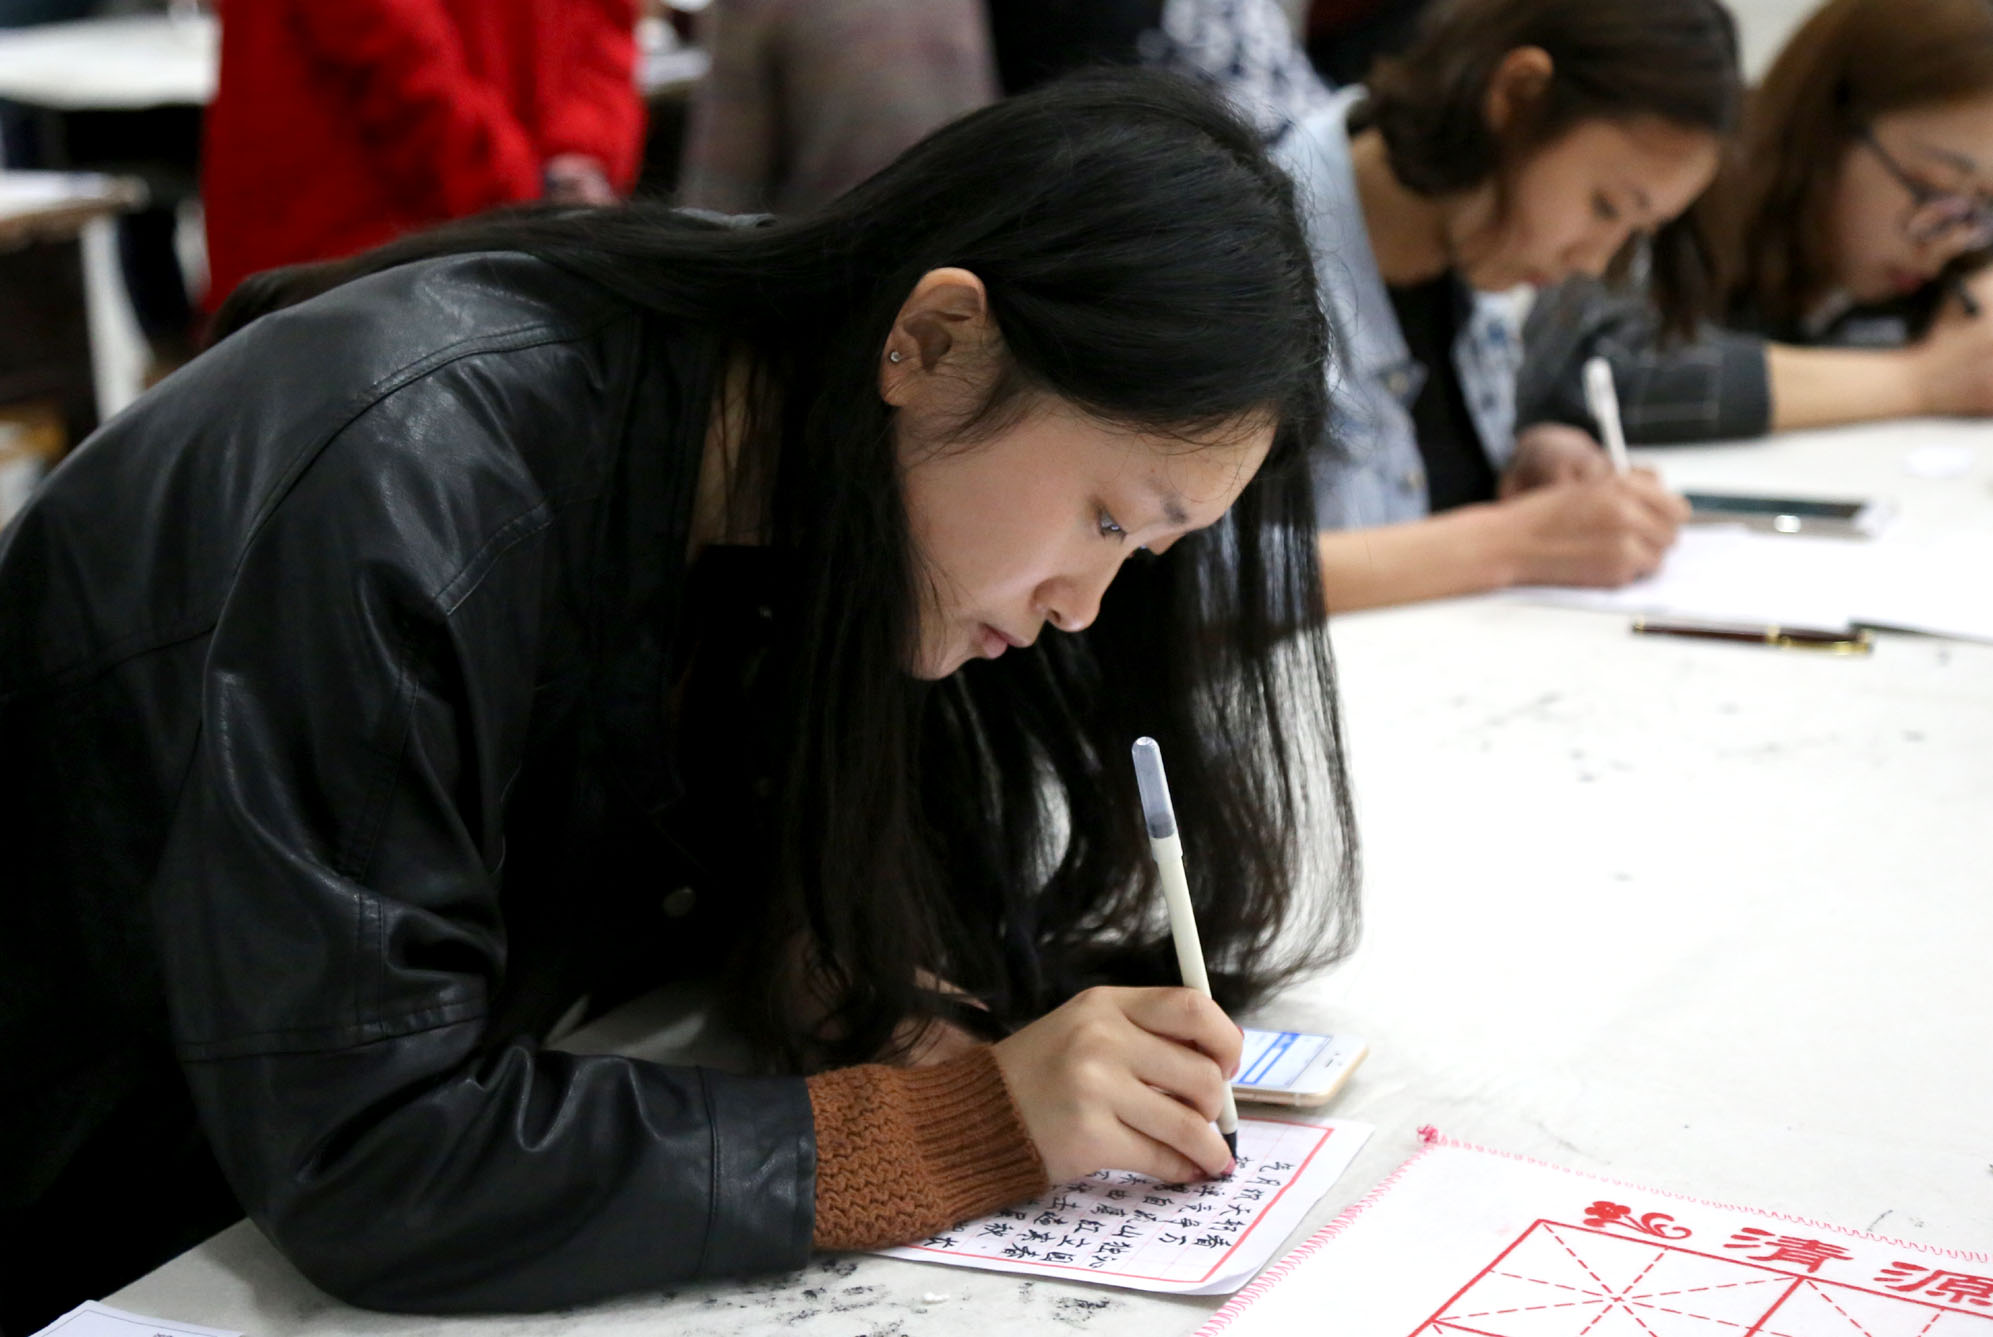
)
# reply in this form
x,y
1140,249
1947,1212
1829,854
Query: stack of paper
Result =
x,y
1941,585
96,1320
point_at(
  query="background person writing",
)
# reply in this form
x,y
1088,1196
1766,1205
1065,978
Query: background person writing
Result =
x,y
1516,143
1858,206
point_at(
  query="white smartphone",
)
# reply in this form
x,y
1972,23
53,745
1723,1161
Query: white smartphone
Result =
x,y
1293,1068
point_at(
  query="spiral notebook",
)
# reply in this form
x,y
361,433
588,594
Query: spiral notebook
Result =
x,y
1465,1242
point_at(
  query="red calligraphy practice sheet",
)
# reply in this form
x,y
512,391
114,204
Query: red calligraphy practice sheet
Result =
x,y
1125,1229
1465,1242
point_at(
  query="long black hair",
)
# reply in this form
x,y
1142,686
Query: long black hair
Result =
x,y
1144,263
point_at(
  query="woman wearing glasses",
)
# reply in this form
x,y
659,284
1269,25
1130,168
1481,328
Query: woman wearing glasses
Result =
x,y
1850,230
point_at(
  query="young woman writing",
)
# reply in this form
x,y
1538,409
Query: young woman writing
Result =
x,y
576,602
1849,227
1517,143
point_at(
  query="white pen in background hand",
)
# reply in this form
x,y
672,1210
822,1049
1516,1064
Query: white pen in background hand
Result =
x,y
1603,400
1166,847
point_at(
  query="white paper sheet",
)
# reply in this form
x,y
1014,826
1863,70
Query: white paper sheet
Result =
x,y
33,192
1463,1242
1192,1239
1940,460
1940,585
124,62
91,1319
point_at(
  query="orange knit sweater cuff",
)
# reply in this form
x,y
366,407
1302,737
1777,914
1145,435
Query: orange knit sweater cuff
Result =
x,y
906,1152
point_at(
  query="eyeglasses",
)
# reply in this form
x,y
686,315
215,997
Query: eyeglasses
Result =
x,y
1937,214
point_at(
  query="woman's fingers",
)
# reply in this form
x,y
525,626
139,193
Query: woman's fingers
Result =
x,y
1670,509
1153,1061
1187,1074
1144,1155
1189,1018
1584,466
1179,1129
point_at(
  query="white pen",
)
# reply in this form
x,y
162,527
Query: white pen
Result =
x,y
1166,847
1603,400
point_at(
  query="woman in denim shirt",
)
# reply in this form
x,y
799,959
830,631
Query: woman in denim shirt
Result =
x,y
1517,143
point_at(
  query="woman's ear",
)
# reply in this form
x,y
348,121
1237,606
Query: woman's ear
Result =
x,y
943,326
1518,84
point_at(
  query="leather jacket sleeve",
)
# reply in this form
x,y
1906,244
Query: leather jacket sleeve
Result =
x,y
329,917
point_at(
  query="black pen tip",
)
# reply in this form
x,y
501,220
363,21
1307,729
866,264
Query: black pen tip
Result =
x,y
1231,1144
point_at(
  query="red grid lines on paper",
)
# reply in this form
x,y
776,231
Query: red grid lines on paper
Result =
x,y
1561,1280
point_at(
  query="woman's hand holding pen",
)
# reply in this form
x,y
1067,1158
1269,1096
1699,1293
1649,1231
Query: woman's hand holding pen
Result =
x,y
1953,365
1125,1079
1967,298
1605,532
1566,518
1549,453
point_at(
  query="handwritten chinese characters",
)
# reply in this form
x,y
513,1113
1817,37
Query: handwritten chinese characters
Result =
x,y
1126,1229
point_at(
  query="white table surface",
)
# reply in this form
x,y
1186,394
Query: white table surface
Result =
x,y
56,205
136,61
112,64
1712,918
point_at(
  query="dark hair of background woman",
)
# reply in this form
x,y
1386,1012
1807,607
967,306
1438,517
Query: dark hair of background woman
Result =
x,y
1614,60
1852,61
1144,261
1037,41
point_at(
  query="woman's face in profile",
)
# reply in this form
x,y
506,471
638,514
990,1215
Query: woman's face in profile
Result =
x,y
1025,530
1572,205
1023,524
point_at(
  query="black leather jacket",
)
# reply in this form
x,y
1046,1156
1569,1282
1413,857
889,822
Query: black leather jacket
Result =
x,y
300,661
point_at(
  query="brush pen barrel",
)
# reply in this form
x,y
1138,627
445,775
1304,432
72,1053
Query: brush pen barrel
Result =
x,y
1168,853
1183,918
1166,847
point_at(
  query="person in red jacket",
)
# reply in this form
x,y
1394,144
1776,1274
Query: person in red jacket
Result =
x,y
338,126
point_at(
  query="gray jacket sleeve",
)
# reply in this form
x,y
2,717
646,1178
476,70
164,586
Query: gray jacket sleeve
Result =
x,y
1712,387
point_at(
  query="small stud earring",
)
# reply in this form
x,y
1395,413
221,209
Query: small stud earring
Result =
x,y
895,356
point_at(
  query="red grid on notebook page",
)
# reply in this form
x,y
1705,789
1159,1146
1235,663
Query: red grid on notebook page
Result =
x,y
1603,1268
1565,1280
